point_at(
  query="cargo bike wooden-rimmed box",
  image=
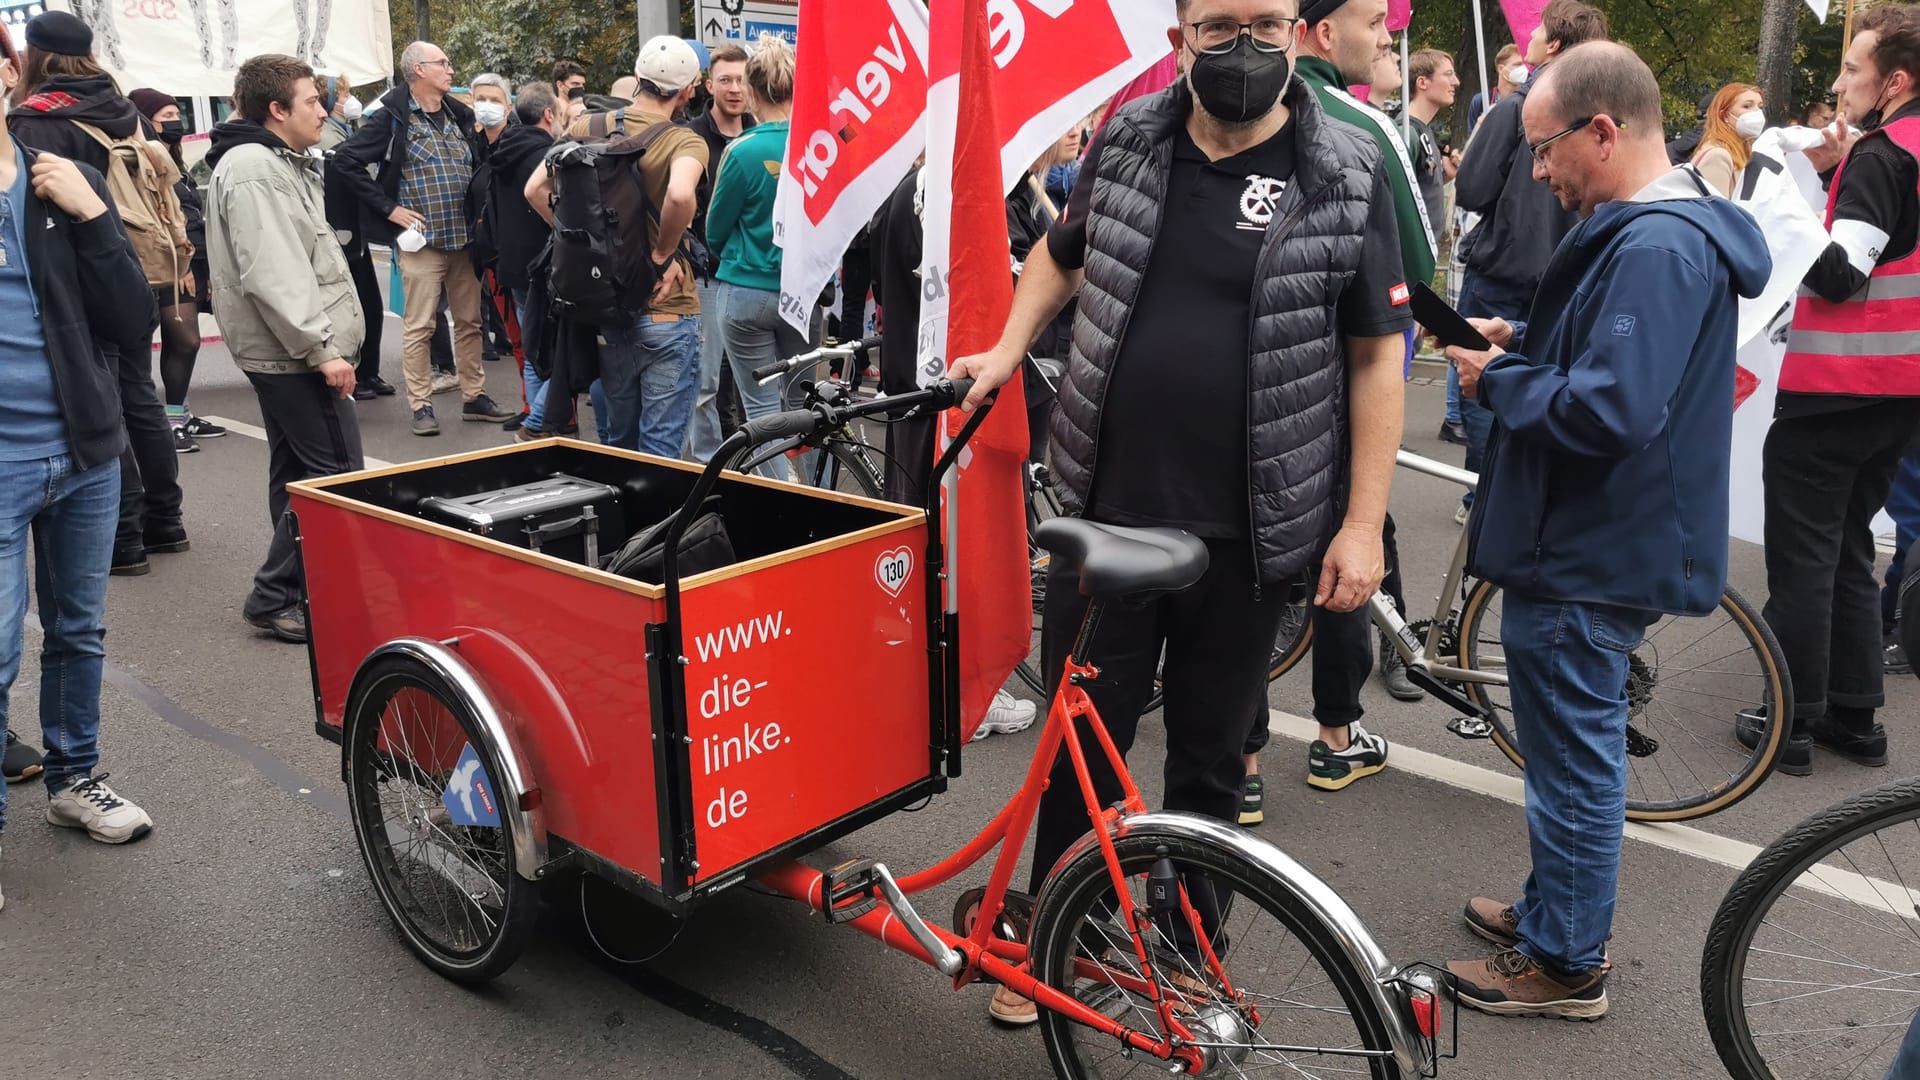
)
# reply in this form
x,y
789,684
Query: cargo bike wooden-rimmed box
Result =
x,y
511,709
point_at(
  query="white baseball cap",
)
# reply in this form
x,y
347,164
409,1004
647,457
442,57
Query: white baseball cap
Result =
x,y
667,62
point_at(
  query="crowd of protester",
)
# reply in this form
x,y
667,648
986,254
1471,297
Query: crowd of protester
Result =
x,y
1603,262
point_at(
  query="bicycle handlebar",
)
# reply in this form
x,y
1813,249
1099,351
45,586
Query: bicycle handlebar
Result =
x,y
835,351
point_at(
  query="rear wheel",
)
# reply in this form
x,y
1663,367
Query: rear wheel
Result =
x,y
423,788
1687,684
1811,960
1300,1008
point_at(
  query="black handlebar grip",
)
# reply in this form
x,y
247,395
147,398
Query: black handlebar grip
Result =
x,y
866,345
782,425
961,387
768,371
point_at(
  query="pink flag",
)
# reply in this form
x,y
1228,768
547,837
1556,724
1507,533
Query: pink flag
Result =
x,y
1399,15
1149,82
1522,17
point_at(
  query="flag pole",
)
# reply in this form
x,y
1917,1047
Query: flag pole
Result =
x,y
1406,90
1480,43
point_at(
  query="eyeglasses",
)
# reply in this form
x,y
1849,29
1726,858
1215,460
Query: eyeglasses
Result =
x,y
1214,36
1538,150
442,62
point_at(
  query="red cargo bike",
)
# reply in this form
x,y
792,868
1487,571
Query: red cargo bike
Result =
x,y
517,707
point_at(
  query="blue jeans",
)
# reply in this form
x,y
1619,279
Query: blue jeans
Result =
x,y
1482,298
704,436
641,371
1903,505
1906,1064
71,517
754,335
597,394
536,387
1567,677
1453,395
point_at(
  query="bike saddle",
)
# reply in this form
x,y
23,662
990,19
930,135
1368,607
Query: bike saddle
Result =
x,y
1116,561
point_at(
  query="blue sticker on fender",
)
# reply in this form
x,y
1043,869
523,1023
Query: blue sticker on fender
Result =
x,y
469,795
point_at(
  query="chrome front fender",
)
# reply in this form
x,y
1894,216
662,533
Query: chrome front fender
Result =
x,y
524,829
1412,1051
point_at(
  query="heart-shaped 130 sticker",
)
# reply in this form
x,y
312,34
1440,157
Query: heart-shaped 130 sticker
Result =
x,y
893,568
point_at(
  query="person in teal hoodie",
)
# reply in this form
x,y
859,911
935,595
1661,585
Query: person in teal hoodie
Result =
x,y
1603,503
740,231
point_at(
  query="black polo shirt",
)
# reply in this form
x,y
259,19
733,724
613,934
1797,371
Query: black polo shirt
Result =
x,y
1173,441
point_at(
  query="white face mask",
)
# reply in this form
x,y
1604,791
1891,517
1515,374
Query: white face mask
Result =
x,y
1517,74
1750,125
491,114
351,109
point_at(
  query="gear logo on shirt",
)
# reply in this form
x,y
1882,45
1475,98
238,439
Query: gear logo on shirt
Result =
x,y
1259,201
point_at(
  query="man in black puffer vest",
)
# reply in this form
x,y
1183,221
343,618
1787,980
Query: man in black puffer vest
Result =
x,y
1235,372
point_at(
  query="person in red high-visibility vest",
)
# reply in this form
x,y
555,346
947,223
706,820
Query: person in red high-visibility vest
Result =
x,y
1849,402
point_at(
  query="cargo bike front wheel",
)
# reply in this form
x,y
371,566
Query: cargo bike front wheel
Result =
x,y
423,786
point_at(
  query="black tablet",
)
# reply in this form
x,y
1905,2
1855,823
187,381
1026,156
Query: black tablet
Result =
x,y
1447,326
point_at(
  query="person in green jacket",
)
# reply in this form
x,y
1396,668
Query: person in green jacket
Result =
x,y
740,231
1338,47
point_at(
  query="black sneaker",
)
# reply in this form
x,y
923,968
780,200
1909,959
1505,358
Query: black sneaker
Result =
x,y
130,560
378,385
1393,672
1253,801
515,424
1796,759
289,625
20,762
201,429
363,392
167,540
484,410
1453,433
1330,770
1893,656
183,441
424,422
1862,743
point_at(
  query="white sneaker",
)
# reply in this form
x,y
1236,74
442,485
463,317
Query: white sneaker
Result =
x,y
1005,716
445,382
93,806
1460,515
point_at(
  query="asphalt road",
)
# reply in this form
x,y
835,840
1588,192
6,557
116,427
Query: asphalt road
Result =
x,y
242,939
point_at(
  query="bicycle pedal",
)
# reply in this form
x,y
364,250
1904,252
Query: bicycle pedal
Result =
x,y
1470,727
847,891
1641,744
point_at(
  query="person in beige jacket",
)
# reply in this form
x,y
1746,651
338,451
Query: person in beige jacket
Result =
x,y
286,304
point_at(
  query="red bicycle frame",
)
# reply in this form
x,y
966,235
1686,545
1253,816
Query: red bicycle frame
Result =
x,y
1007,962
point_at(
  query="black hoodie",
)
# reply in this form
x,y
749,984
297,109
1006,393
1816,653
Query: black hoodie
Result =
x,y
239,131
46,119
518,232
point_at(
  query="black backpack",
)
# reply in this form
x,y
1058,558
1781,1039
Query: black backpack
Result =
x,y
602,271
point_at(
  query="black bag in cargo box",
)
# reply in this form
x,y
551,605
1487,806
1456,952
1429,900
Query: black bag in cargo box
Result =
x,y
563,516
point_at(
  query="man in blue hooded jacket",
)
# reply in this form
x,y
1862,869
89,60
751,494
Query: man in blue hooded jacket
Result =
x,y
1603,503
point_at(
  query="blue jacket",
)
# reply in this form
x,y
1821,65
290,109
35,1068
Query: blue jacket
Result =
x,y
1606,476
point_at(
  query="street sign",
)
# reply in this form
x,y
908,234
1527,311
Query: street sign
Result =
x,y
743,21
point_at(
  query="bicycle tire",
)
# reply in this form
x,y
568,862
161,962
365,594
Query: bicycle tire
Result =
x,y
850,460
1073,890
1759,762
1743,911
494,952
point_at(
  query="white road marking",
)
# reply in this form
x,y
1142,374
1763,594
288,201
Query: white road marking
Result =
x,y
241,427
1683,839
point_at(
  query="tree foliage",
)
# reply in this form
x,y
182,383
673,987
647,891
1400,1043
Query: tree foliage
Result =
x,y
521,39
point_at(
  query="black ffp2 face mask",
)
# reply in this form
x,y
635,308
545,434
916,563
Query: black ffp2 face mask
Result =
x,y
1242,84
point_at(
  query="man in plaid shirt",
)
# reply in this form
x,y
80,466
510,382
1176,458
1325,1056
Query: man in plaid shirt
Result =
x,y
425,150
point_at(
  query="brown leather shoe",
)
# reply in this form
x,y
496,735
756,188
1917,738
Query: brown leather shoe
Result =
x,y
1494,920
1514,984
1011,1009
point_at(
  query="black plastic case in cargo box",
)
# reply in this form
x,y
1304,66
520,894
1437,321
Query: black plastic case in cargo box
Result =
x,y
563,516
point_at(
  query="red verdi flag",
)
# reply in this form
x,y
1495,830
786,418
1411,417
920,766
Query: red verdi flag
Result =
x,y
859,97
1028,70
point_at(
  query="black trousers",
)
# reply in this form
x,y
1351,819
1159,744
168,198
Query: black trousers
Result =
x,y
1342,655
1217,638
909,460
1826,476
310,432
150,496
373,307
